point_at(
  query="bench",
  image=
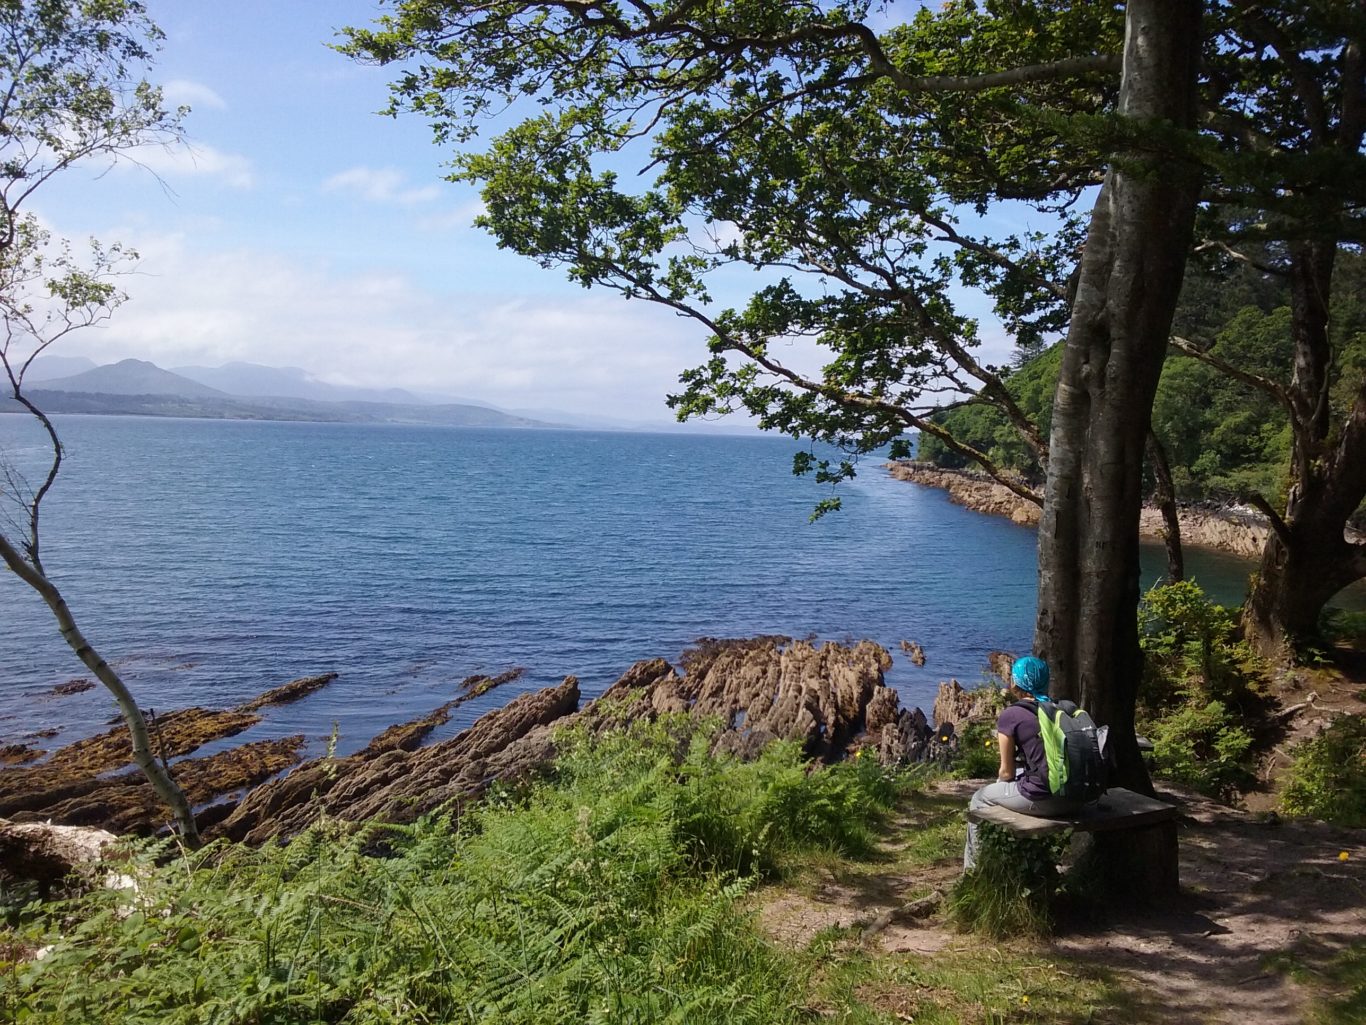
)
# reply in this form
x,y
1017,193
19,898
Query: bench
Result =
x,y
1135,838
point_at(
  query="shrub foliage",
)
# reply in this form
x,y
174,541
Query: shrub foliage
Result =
x,y
1327,777
1201,686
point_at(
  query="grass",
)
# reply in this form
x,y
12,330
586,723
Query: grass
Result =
x,y
971,984
1337,981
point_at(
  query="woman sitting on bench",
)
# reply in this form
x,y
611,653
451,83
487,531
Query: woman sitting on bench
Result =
x,y
1017,732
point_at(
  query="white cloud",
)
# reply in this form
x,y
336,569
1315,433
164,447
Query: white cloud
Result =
x,y
585,353
182,92
458,219
381,185
195,159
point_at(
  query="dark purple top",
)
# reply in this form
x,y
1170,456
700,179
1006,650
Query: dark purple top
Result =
x,y
1021,721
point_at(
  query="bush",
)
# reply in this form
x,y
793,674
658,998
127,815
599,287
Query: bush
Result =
x,y
978,754
1201,685
1010,891
1204,747
1191,651
1327,776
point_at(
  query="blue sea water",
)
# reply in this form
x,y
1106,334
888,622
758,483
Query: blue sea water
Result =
x,y
211,560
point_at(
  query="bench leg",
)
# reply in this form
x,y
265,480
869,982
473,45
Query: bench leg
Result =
x,y
1140,864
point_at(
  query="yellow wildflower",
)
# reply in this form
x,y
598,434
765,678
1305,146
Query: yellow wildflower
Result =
x,y
1342,855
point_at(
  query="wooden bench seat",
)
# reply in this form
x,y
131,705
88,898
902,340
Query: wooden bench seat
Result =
x,y
1117,809
1135,839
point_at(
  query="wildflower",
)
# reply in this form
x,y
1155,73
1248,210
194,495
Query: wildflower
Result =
x,y
1342,855
1024,998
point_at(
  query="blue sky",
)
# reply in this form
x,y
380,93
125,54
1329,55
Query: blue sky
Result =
x,y
298,228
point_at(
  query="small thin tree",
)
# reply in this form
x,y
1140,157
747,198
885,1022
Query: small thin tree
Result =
x,y
42,300
73,93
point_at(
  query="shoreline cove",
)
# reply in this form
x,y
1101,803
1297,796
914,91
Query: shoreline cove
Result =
x,y
1236,530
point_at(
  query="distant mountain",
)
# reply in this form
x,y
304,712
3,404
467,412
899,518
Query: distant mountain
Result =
x,y
132,377
229,408
137,388
45,368
252,380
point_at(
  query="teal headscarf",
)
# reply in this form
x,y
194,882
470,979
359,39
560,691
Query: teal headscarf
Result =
x,y
1030,674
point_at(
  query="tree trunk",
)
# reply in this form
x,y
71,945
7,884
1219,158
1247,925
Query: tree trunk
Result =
x,y
1307,558
143,756
1130,278
1166,501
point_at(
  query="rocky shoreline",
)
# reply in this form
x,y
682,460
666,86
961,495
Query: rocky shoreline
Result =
x,y
1234,529
830,698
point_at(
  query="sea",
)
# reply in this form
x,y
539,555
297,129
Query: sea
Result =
x,y
210,560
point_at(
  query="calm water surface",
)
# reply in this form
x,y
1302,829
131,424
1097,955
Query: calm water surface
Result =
x,y
211,560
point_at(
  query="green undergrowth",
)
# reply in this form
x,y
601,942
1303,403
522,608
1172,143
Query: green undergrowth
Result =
x,y
1201,689
625,887
1327,775
1013,888
608,892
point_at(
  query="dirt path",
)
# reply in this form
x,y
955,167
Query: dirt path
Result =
x,y
1253,888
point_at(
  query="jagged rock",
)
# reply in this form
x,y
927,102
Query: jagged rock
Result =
x,y
914,652
18,754
882,709
955,705
771,687
827,697
75,771
474,686
126,803
289,692
906,739
400,785
999,664
77,686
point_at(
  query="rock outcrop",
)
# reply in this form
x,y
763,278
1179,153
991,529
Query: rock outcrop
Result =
x,y
48,854
829,698
972,490
398,785
1238,530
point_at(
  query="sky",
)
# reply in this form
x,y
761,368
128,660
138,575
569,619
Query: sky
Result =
x,y
300,228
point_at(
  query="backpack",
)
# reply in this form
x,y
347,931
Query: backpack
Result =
x,y
1074,747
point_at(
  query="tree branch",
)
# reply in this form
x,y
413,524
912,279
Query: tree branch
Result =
x,y
1265,384
1278,525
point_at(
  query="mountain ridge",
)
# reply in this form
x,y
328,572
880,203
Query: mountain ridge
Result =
x,y
134,387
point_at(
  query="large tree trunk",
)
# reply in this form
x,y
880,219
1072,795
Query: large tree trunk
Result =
x,y
1129,281
143,755
1306,559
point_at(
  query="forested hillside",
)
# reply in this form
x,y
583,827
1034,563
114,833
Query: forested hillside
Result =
x,y
1225,438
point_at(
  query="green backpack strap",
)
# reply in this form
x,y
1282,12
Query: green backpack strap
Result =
x,y
1051,732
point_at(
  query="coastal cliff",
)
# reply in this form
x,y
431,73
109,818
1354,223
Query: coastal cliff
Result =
x,y
1233,529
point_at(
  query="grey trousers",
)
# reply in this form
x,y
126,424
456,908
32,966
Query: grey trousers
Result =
x,y
1007,795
